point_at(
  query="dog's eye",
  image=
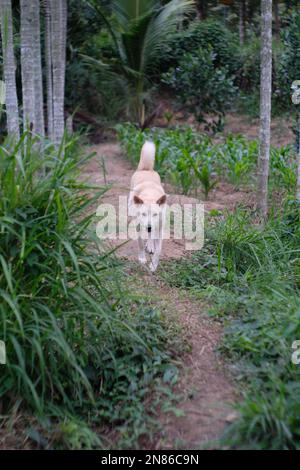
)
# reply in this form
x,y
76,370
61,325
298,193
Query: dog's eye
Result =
x,y
144,214
155,215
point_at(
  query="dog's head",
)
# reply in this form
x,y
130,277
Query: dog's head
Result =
x,y
149,215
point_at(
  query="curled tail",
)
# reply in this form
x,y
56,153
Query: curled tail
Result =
x,y
147,157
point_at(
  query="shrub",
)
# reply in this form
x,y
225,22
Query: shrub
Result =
x,y
202,87
289,63
209,34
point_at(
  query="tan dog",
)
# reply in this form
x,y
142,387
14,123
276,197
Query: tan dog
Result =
x,y
147,203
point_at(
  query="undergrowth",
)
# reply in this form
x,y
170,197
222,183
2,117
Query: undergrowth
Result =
x,y
250,277
83,353
194,163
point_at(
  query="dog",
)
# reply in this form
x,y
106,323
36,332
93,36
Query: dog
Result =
x,y
147,204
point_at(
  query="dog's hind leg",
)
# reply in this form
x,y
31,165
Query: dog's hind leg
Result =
x,y
158,245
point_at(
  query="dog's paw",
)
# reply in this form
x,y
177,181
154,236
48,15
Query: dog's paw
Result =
x,y
153,266
143,260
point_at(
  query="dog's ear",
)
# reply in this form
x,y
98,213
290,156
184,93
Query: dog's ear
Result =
x,y
161,200
137,200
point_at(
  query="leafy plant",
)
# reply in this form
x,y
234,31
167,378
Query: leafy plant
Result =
x,y
139,29
289,62
202,87
209,34
250,277
187,158
80,350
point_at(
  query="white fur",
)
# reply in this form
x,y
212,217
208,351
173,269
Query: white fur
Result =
x,y
147,157
147,204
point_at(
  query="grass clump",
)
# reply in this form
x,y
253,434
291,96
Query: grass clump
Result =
x,y
81,353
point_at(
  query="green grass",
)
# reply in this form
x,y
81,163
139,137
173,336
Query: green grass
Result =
x,y
83,353
250,278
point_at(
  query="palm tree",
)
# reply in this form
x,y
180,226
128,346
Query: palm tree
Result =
x,y
48,68
11,100
139,28
38,80
27,64
58,14
265,105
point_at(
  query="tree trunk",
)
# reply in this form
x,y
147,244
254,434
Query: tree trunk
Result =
x,y
58,48
201,9
277,20
11,99
49,77
27,64
242,21
38,78
265,105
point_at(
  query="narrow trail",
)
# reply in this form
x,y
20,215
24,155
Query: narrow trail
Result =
x,y
205,385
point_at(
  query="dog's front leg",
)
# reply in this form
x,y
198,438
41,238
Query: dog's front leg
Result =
x,y
157,245
142,255
155,258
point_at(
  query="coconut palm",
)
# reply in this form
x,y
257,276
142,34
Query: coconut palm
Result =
x,y
38,80
11,100
138,28
27,64
48,66
58,15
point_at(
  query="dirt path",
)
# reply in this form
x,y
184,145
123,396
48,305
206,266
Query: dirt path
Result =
x,y
118,174
205,385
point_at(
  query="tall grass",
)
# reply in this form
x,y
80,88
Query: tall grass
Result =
x,y
76,342
250,277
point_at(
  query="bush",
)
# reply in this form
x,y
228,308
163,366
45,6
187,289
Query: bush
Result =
x,y
289,63
202,87
77,345
209,34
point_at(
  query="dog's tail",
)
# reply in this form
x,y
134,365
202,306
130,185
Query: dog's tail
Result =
x,y
147,156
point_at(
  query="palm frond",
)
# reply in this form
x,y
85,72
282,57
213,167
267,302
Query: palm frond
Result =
x,y
161,27
131,10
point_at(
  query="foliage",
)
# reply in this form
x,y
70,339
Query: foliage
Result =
x,y
187,158
250,277
183,157
202,87
289,64
138,30
209,34
248,78
79,350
